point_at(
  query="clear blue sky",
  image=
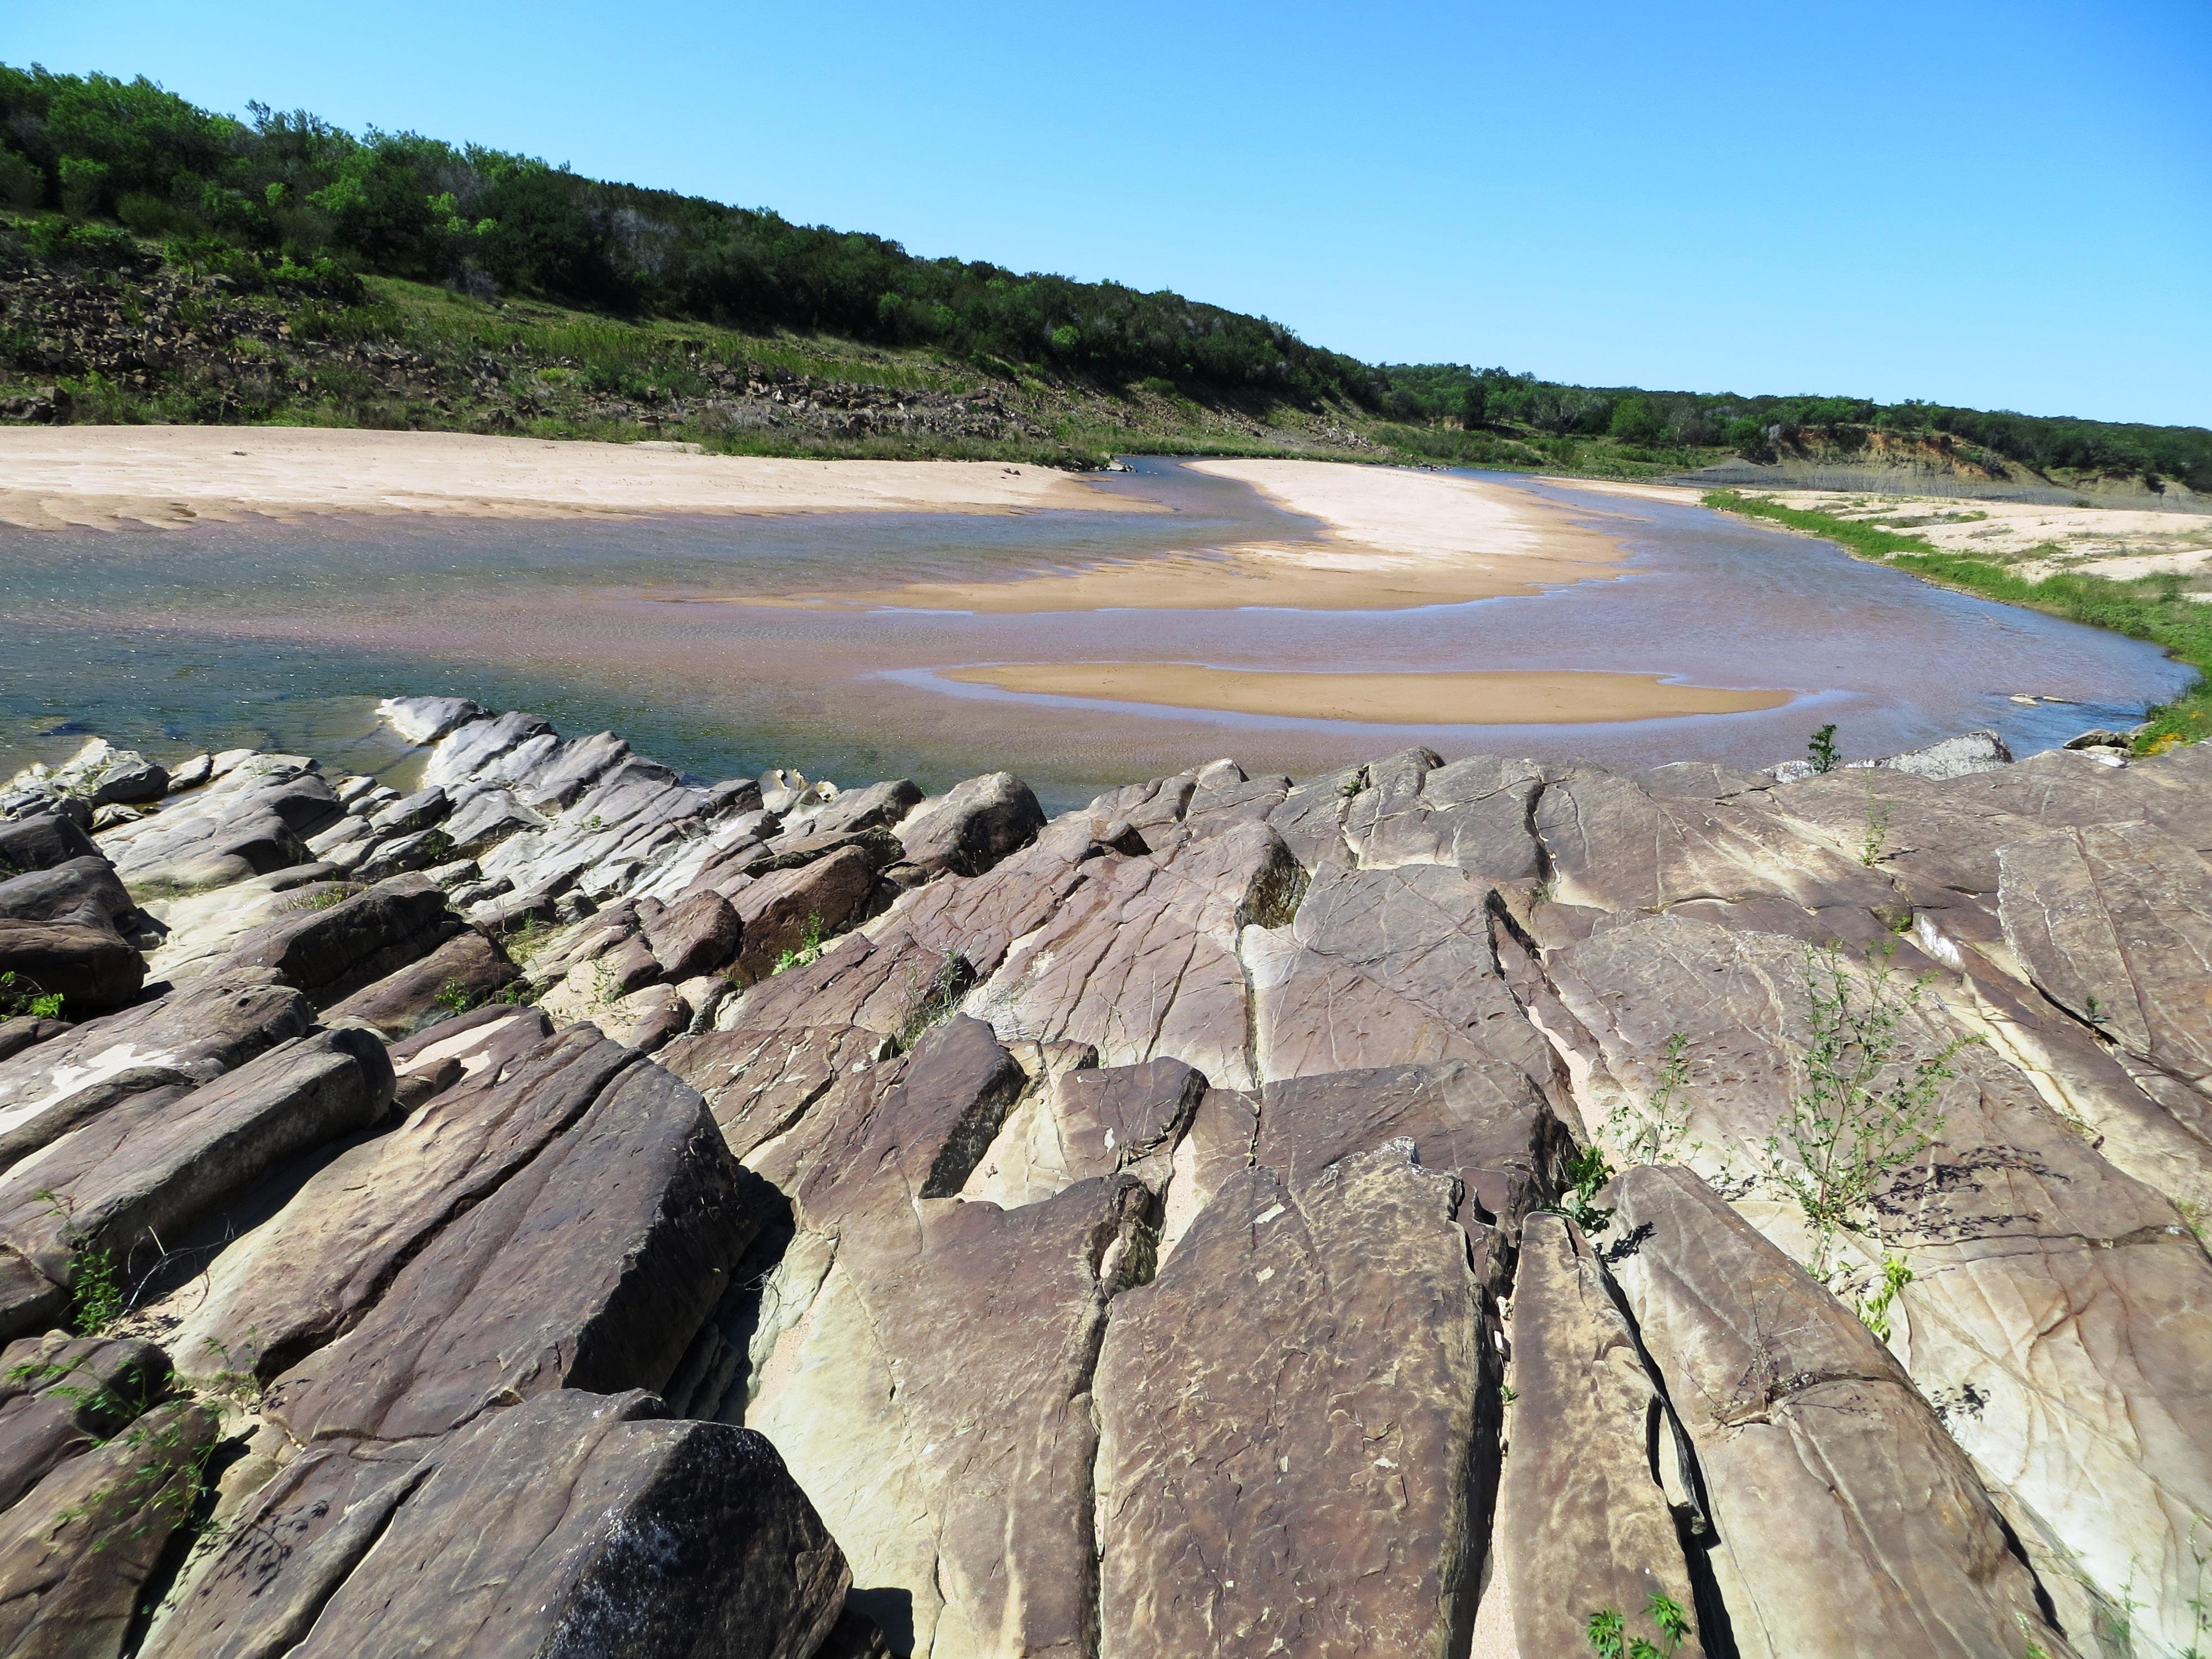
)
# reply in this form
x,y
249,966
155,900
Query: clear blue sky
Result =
x,y
2004,205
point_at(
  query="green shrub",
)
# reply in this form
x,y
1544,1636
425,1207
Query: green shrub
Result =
x,y
54,238
23,186
84,186
147,214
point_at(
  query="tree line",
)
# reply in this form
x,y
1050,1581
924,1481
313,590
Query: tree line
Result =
x,y
290,194
1479,398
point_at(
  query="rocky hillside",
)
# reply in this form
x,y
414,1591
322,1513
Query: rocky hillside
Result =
x,y
1427,1210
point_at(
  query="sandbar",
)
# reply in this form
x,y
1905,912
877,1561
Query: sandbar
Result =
x,y
1495,697
1388,538
113,476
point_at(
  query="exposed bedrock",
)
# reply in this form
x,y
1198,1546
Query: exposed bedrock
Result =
x,y
537,1203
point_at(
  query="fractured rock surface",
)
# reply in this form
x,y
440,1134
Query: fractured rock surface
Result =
x,y
566,1207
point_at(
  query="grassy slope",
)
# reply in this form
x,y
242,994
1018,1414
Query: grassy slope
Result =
x,y
2154,608
562,372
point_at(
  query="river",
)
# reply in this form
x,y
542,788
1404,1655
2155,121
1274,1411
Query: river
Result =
x,y
285,634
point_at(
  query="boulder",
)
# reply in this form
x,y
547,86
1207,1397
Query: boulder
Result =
x,y
60,1395
1386,967
972,826
410,814
90,968
191,774
472,746
959,1489
81,1548
591,1266
1482,1120
695,936
311,1272
1140,961
83,890
331,952
785,911
183,1040
41,841
2060,1309
254,818
486,819
426,720
879,806
1085,1122
572,1524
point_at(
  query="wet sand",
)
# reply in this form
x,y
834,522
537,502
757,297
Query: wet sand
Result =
x,y
111,477
1497,698
1390,539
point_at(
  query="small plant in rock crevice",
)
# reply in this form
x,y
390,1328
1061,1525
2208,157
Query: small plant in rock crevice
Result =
x,y
808,950
1587,1172
96,1298
21,995
938,999
1867,1107
452,996
1874,832
1873,1309
1610,1638
1656,1133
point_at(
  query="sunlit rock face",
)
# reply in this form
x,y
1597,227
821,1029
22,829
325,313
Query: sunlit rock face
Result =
x,y
1493,1207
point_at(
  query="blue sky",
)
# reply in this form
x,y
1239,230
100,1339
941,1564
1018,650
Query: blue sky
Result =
x,y
1998,206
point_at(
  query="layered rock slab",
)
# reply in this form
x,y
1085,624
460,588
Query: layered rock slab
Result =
x,y
1140,959
956,1473
1296,1446
1584,1522
160,1162
2059,1311
1808,1430
590,1267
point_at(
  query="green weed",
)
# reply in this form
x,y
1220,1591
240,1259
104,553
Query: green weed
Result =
x,y
1873,1310
809,950
21,995
1874,832
1822,748
1867,1107
1587,1172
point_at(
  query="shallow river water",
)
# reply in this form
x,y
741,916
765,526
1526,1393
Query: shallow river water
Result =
x,y
285,634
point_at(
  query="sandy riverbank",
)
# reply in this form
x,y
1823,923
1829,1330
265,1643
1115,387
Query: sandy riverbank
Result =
x,y
1392,539
110,476
1504,697
2037,539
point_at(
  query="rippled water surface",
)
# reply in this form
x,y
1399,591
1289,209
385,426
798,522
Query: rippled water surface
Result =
x,y
175,640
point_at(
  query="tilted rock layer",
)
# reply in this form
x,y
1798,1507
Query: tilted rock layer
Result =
x,y
557,1206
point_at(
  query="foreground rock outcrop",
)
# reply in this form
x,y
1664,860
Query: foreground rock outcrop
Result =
x,y
559,1206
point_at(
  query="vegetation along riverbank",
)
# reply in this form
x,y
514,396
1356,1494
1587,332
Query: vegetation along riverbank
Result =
x,y
2159,608
163,263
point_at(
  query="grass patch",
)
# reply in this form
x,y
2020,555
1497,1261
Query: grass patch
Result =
x,y
2154,609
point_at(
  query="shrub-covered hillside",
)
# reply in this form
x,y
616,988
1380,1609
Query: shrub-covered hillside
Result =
x,y
290,192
